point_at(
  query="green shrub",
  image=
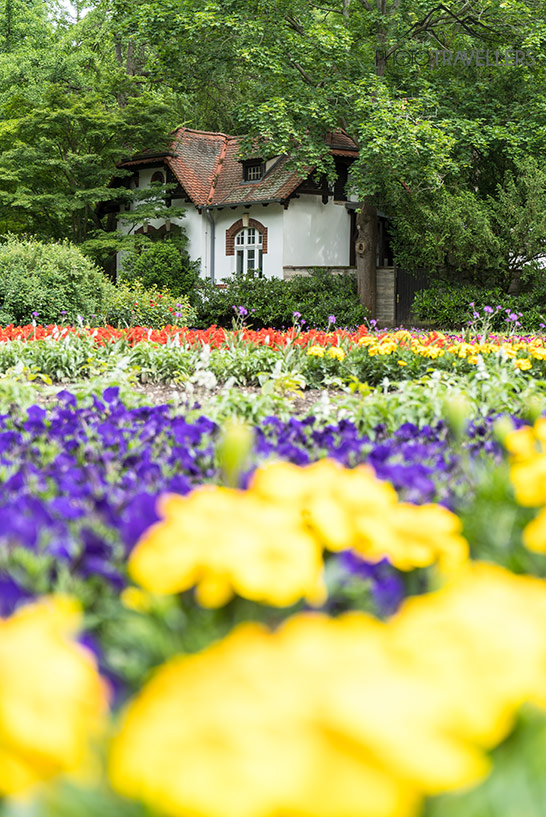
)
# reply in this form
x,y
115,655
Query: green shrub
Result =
x,y
134,305
271,302
48,282
454,306
162,264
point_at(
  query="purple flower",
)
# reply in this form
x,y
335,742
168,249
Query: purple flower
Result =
x,y
476,315
387,587
471,304
35,314
331,319
512,316
11,595
488,309
296,314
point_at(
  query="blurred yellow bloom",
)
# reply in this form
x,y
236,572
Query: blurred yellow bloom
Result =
x,y
534,535
315,351
402,363
351,508
527,447
529,481
346,716
265,544
483,637
229,542
136,599
52,699
523,364
254,716
521,443
422,535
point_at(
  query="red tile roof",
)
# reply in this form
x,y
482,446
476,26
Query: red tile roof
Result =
x,y
207,167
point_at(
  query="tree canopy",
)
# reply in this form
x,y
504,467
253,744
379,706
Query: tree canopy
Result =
x,y
446,102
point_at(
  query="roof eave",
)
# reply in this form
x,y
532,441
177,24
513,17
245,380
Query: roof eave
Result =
x,y
150,157
224,204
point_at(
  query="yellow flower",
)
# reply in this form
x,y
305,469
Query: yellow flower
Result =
x,y
315,351
136,599
345,716
523,364
266,544
229,542
418,536
402,363
527,447
52,699
521,443
351,508
336,352
326,495
483,637
263,716
529,481
508,351
534,535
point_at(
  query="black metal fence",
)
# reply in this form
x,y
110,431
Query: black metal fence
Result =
x,y
407,285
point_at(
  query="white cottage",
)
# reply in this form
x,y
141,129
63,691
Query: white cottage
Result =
x,y
253,214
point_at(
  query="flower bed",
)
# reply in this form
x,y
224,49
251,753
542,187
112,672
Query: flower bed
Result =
x,y
291,360
406,708
79,485
314,615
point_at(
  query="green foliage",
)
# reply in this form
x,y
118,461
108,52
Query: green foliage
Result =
x,y
493,240
448,306
70,111
56,281
136,305
516,785
272,302
163,264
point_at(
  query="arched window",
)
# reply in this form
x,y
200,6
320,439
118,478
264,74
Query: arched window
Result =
x,y
158,178
248,250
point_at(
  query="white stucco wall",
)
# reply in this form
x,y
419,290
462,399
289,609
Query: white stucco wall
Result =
x,y
145,175
192,223
316,234
306,234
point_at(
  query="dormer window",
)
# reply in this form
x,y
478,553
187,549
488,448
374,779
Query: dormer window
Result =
x,y
253,171
158,178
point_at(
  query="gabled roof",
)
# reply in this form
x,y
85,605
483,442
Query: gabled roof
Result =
x,y
207,167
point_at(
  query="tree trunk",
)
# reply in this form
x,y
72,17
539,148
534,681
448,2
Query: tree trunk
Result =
x,y
514,287
365,247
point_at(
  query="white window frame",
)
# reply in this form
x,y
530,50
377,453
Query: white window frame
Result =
x,y
248,250
253,172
